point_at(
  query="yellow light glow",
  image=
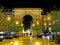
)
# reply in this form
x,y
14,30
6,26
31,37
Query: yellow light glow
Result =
x,y
45,24
49,23
16,42
48,18
23,31
37,23
8,18
37,43
44,18
11,42
28,31
33,25
21,24
21,43
17,22
49,28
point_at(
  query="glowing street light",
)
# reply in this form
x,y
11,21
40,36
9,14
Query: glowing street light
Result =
x,y
44,18
50,24
48,18
45,24
33,25
8,18
17,22
37,23
21,24
50,28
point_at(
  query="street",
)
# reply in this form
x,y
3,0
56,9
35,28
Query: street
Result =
x,y
26,41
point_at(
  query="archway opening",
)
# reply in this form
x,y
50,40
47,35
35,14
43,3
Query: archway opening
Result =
x,y
27,21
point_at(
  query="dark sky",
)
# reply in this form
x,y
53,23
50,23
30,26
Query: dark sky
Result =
x,y
47,5
30,3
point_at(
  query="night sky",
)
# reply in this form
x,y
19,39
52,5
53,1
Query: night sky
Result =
x,y
46,5
30,3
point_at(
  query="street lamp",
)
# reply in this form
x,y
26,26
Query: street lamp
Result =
x,y
37,23
45,24
33,25
49,28
45,18
8,18
17,28
50,23
48,18
17,22
21,24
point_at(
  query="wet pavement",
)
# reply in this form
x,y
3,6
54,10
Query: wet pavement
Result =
x,y
26,41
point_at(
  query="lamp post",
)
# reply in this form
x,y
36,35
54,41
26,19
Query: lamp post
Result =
x,y
8,19
17,28
17,22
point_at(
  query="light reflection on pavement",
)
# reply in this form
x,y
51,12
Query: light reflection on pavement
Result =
x,y
26,41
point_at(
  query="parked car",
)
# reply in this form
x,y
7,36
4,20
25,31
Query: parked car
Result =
x,y
1,36
8,35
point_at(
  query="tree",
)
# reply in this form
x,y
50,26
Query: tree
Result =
x,y
15,28
56,16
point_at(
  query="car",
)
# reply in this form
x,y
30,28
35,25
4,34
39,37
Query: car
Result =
x,y
8,35
1,36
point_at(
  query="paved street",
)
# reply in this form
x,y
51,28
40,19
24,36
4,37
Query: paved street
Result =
x,y
26,41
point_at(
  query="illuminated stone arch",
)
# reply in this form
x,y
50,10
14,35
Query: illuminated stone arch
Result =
x,y
34,12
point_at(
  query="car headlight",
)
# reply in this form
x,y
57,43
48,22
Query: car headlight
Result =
x,y
1,32
1,37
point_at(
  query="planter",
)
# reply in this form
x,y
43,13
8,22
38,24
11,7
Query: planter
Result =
x,y
57,40
39,36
